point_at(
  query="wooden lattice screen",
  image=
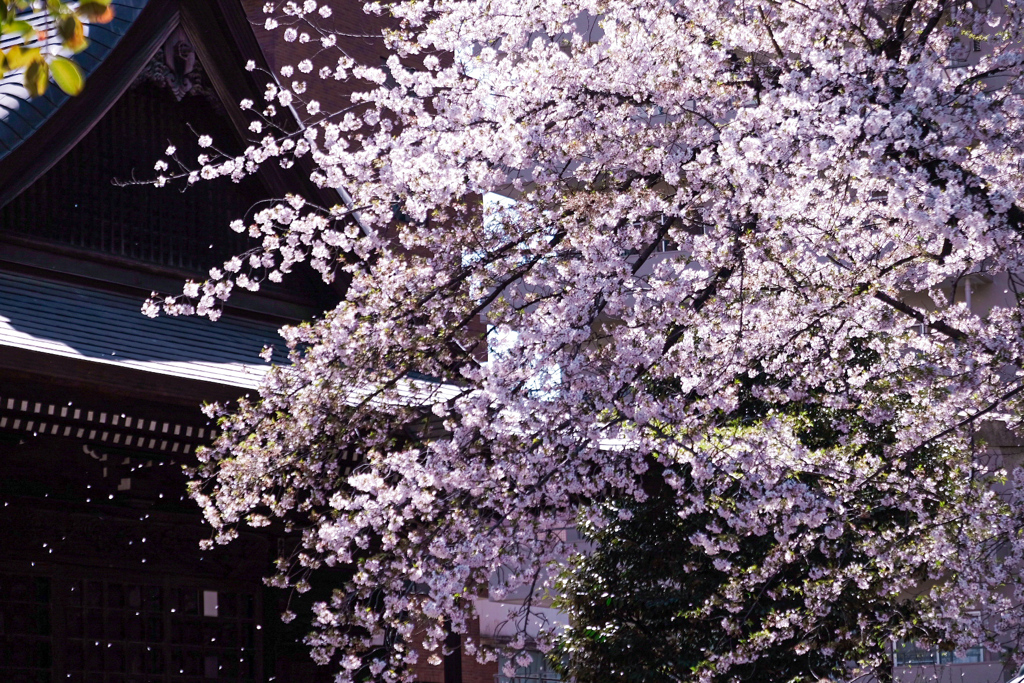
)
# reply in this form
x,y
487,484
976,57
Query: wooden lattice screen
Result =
x,y
76,205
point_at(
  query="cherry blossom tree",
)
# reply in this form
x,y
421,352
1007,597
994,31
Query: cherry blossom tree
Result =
x,y
654,597
734,270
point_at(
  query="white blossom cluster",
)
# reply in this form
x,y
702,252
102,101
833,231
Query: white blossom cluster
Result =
x,y
826,175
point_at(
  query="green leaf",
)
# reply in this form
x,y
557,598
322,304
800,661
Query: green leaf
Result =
x,y
99,11
37,76
18,56
67,75
20,27
72,33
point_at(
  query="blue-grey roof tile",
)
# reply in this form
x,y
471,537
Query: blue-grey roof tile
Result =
x,y
103,327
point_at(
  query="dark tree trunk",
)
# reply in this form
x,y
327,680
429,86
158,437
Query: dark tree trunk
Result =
x,y
453,660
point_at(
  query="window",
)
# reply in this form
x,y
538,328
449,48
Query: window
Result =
x,y
912,654
539,671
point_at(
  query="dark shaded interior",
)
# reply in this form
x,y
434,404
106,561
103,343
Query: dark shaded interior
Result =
x,y
76,203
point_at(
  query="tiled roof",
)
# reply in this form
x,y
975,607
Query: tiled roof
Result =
x,y
20,115
103,327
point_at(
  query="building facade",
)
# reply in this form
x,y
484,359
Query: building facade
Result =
x,y
101,576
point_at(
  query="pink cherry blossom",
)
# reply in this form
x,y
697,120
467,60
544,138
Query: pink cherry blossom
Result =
x,y
717,204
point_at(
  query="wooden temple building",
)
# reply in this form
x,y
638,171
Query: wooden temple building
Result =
x,y
101,576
